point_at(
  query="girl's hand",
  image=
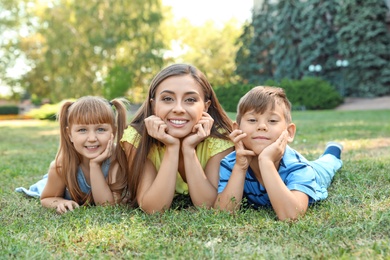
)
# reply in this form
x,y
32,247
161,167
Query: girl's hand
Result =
x,y
67,205
106,153
200,131
243,156
158,129
275,151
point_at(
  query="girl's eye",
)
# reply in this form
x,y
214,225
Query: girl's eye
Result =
x,y
82,130
101,129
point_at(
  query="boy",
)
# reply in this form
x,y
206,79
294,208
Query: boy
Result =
x,y
263,168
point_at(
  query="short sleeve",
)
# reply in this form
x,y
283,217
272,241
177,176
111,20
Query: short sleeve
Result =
x,y
217,145
225,170
131,136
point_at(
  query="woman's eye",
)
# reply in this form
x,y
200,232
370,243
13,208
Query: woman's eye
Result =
x,y
191,100
167,99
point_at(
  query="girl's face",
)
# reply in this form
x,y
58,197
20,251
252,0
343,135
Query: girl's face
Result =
x,y
179,102
90,140
263,129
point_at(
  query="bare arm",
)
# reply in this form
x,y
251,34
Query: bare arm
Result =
x,y
101,192
203,185
230,198
52,194
287,204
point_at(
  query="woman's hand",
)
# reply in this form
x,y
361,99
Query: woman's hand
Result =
x,y
157,129
200,131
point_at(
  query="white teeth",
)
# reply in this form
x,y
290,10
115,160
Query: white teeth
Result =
x,y
91,147
179,122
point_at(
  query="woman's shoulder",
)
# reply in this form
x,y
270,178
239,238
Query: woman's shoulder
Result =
x,y
131,135
216,145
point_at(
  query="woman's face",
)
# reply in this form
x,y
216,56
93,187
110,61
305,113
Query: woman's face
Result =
x,y
179,102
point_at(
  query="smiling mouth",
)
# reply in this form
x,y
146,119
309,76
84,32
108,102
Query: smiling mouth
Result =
x,y
92,147
178,122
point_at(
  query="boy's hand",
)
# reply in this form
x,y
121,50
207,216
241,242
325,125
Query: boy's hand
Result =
x,y
157,129
200,131
243,156
275,151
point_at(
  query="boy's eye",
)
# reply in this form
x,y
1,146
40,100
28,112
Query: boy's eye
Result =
x,y
252,120
273,121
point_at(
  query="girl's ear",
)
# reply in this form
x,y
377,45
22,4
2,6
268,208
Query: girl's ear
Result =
x,y
69,134
291,129
207,105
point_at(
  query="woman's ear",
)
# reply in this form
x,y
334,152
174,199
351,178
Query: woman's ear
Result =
x,y
291,129
207,105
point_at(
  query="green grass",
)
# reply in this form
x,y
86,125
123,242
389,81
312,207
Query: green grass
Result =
x,y
353,223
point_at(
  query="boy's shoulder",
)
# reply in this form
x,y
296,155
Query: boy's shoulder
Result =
x,y
230,158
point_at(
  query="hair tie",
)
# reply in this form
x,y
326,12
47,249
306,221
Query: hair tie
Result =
x,y
110,103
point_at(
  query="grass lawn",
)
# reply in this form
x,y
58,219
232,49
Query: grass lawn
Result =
x,y
353,223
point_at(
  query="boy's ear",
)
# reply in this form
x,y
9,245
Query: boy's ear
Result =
x,y
291,129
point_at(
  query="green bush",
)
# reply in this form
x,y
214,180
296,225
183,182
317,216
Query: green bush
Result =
x,y
45,112
9,110
309,93
229,95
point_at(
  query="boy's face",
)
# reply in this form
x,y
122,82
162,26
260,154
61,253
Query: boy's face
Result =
x,y
263,129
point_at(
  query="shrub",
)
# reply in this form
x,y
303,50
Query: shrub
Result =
x,y
310,93
9,110
45,112
229,95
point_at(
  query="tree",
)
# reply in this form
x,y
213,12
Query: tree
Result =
x,y
94,47
318,44
255,56
287,39
364,41
210,48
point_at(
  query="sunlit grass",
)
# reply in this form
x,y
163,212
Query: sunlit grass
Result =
x,y
353,223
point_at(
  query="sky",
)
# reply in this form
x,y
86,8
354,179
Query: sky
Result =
x,y
219,11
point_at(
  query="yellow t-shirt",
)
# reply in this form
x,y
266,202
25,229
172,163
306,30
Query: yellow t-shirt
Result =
x,y
204,150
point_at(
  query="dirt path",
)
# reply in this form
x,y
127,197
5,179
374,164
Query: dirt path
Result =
x,y
365,103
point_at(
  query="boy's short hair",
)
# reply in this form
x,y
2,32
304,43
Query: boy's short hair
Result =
x,y
260,98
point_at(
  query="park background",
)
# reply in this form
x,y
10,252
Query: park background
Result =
x,y
113,48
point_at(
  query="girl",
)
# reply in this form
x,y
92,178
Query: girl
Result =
x,y
89,168
176,141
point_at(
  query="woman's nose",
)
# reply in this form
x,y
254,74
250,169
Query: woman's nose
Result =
x,y
178,108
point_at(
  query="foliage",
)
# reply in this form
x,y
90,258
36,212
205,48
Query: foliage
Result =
x,y
229,95
364,40
254,59
309,93
46,111
209,47
289,37
76,48
350,224
9,110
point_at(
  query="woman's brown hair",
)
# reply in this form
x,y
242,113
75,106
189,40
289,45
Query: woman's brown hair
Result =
x,y
221,128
